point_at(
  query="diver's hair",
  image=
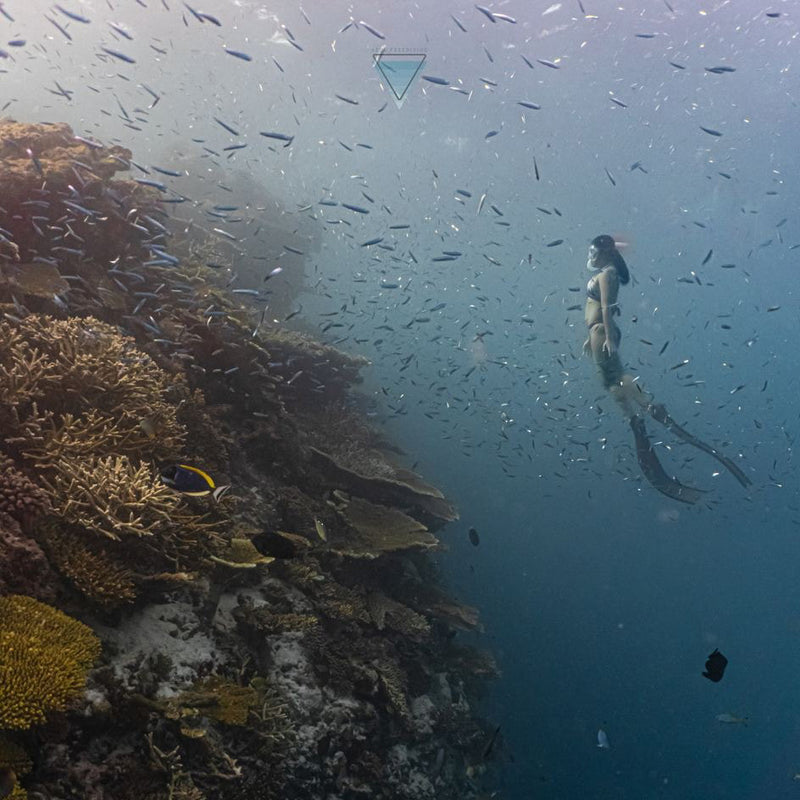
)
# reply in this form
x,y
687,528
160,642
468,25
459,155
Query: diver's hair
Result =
x,y
606,243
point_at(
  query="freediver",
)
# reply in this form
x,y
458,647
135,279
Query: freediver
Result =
x,y
609,271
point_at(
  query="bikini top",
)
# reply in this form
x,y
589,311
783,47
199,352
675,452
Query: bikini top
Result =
x,y
593,287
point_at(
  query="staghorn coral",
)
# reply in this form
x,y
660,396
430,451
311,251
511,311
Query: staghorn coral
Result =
x,y
111,496
44,658
90,568
65,381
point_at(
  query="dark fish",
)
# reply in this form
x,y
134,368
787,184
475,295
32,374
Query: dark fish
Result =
x,y
676,65
710,131
238,54
345,99
720,70
357,209
618,102
546,63
486,13
707,258
645,36
192,481
487,751
437,81
715,666
527,104
458,23
473,537
116,54
281,137
610,177
227,127
72,15
555,243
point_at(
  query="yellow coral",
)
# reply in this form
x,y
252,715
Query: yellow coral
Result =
x,y
44,658
221,699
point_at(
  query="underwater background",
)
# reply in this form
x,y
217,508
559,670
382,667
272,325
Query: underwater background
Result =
x,y
600,599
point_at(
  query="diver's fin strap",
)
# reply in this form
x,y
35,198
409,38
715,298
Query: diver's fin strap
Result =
x,y
654,472
659,413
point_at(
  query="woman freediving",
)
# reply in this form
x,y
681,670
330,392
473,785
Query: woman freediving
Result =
x,y
609,272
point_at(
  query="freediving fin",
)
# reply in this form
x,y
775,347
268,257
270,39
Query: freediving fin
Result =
x,y
659,413
654,472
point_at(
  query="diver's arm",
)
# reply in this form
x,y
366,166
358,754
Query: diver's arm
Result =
x,y
609,289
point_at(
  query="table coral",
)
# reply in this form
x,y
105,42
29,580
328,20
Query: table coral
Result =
x,y
44,658
381,529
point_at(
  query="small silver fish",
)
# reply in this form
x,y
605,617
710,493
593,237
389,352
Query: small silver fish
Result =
x,y
731,719
602,740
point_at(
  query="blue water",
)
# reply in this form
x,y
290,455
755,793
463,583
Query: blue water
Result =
x,y
600,598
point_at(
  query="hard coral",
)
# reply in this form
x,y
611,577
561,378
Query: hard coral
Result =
x,y
44,162
73,381
381,529
20,497
24,569
111,496
44,658
90,568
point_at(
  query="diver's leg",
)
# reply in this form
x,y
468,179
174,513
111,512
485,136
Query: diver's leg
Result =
x,y
654,472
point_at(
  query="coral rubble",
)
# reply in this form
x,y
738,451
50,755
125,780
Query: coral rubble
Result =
x,y
288,639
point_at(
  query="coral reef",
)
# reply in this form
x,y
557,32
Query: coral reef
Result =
x,y
290,641
44,658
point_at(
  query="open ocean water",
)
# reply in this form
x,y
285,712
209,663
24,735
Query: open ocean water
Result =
x,y
523,130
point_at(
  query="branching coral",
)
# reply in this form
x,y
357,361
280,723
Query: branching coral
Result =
x,y
44,658
90,568
64,382
221,699
111,496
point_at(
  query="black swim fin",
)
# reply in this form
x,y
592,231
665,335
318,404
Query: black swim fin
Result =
x,y
654,472
659,414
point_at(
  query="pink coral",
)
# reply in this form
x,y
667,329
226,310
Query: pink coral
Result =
x,y
24,569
